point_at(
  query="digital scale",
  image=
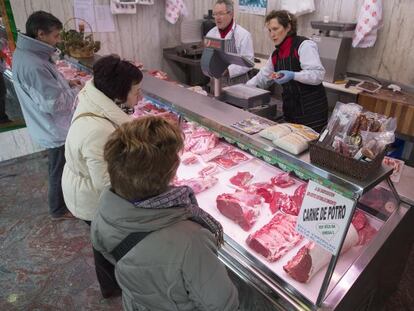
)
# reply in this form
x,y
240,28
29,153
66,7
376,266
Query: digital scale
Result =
x,y
214,62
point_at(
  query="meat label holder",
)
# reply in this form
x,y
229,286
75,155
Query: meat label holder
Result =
x,y
324,218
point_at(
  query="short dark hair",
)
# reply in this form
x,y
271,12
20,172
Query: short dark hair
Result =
x,y
284,18
41,20
143,157
114,77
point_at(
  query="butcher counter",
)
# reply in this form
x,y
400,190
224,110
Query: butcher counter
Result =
x,y
361,277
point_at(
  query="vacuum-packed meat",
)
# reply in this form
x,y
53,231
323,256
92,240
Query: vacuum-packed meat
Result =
x,y
241,207
276,238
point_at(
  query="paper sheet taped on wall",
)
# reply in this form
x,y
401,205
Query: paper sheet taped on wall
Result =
x,y
298,7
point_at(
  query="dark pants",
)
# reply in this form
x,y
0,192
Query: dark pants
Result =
x,y
56,156
3,115
105,273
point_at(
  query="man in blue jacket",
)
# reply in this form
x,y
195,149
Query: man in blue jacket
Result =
x,y
46,98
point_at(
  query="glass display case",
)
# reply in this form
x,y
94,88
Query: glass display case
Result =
x,y
261,244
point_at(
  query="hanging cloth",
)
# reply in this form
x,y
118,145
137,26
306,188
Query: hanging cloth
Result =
x,y
369,21
173,10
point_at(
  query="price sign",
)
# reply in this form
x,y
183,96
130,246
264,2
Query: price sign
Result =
x,y
323,216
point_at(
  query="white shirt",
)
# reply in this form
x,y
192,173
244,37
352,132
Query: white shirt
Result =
x,y
244,46
312,70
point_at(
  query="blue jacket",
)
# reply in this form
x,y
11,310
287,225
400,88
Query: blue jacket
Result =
x,y
45,96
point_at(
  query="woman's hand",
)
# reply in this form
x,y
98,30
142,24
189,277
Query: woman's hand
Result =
x,y
284,76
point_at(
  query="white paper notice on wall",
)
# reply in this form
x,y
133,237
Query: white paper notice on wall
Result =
x,y
104,18
84,9
298,7
324,216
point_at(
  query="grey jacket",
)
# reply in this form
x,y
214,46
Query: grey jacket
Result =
x,y
45,96
174,268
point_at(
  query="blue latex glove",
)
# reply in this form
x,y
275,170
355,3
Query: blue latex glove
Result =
x,y
286,76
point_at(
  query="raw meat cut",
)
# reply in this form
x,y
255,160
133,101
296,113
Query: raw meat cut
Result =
x,y
213,153
283,180
200,141
299,194
230,158
287,205
208,170
241,179
241,207
311,257
265,190
276,238
198,184
190,160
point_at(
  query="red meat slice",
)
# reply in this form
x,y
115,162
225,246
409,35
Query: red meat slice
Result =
x,y
283,180
298,196
265,190
359,220
241,207
224,161
241,179
300,265
237,156
287,205
208,170
197,184
276,238
190,160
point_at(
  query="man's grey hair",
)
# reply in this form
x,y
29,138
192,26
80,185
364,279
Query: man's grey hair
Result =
x,y
228,3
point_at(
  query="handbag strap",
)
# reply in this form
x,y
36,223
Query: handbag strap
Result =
x,y
127,244
91,114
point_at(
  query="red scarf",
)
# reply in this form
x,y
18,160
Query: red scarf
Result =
x,y
225,31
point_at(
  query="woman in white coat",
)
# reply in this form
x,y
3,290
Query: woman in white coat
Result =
x,y
115,83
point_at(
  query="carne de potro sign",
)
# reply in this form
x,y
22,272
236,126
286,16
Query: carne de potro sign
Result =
x,y
323,216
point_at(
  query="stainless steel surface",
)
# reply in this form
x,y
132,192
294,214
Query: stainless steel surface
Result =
x,y
217,87
334,53
244,96
333,26
350,278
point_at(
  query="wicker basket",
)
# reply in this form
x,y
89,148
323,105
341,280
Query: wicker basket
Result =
x,y
85,51
334,161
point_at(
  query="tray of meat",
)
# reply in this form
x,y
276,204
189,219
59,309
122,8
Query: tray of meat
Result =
x,y
198,184
276,238
231,158
283,180
241,179
241,207
200,141
311,257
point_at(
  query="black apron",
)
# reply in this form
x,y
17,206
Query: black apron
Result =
x,y
302,103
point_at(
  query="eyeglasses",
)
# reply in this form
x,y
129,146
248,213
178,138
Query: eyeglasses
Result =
x,y
220,14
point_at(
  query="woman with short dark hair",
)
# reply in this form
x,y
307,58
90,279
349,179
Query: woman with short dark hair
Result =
x,y
115,84
295,65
